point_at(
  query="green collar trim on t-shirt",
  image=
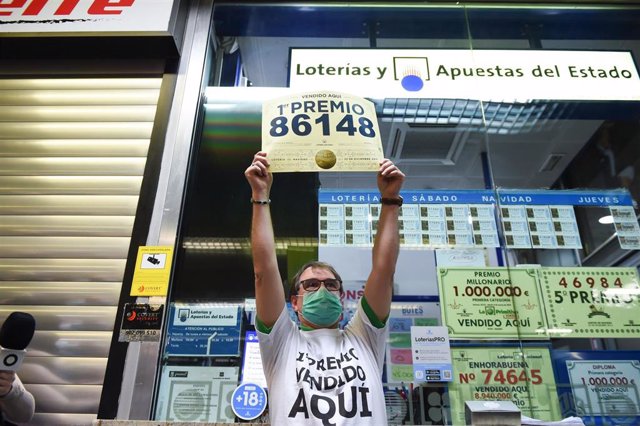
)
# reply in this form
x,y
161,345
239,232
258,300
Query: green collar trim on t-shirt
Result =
x,y
373,318
306,327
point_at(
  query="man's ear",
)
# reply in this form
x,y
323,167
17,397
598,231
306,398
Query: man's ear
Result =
x,y
294,302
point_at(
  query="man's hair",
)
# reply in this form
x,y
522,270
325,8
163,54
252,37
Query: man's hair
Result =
x,y
314,264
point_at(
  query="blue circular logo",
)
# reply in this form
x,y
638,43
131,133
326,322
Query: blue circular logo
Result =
x,y
249,401
412,82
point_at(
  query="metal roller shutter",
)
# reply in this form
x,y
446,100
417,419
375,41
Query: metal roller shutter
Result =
x,y
72,156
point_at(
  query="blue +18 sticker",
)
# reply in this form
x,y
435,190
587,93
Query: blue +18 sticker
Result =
x,y
249,401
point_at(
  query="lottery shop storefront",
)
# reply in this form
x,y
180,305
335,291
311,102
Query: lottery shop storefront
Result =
x,y
518,129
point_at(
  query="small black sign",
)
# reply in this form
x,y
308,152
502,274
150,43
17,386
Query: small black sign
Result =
x,y
141,322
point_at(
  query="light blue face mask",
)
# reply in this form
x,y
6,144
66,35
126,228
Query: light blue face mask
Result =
x,y
321,308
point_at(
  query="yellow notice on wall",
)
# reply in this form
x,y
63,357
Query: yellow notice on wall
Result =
x,y
153,267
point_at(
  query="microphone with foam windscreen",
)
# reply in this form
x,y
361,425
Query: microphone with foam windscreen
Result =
x,y
15,335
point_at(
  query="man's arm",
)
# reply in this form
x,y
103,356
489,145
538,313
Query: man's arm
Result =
x,y
379,287
268,284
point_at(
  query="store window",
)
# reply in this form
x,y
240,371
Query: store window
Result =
x,y
519,232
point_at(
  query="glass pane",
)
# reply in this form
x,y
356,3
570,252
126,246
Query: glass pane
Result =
x,y
558,166
475,249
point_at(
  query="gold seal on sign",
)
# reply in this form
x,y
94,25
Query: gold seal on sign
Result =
x,y
325,159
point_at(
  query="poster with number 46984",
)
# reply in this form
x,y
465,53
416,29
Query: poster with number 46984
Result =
x,y
321,131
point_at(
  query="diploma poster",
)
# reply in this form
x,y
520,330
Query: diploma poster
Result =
x,y
491,303
204,329
153,268
523,376
321,131
599,386
404,316
591,302
605,388
196,394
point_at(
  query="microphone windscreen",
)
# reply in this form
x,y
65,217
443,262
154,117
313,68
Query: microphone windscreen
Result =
x,y
17,331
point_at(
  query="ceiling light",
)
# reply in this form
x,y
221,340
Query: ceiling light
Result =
x,y
606,220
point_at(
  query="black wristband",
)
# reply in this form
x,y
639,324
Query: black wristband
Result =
x,y
396,201
268,201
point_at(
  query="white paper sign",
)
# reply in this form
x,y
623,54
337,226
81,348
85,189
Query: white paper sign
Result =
x,y
431,354
491,75
321,131
461,257
196,394
252,371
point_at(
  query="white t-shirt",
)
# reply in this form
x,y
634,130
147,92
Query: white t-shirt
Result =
x,y
325,376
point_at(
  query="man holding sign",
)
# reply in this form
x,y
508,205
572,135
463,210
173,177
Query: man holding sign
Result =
x,y
319,374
